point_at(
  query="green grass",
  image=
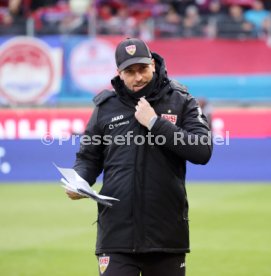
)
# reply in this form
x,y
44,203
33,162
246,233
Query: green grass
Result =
x,y
44,233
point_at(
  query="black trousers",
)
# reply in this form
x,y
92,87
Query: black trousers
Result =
x,y
148,264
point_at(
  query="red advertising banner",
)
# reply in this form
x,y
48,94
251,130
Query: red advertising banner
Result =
x,y
214,57
59,123
37,123
242,123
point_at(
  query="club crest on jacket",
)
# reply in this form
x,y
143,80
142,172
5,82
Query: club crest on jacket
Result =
x,y
170,117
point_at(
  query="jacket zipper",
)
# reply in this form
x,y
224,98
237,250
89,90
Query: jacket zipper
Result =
x,y
134,201
138,191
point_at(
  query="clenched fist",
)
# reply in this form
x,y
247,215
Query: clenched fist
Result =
x,y
144,112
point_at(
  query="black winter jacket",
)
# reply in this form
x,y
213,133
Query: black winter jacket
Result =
x,y
148,179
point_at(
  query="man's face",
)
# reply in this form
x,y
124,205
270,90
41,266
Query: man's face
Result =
x,y
137,76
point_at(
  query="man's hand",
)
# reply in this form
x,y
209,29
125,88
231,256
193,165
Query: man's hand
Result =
x,y
144,112
73,195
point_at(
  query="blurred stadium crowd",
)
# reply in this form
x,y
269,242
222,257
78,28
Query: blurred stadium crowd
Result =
x,y
149,19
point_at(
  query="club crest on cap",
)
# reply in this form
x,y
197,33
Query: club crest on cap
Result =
x,y
131,49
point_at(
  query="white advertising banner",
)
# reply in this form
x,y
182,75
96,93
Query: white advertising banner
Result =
x,y
30,71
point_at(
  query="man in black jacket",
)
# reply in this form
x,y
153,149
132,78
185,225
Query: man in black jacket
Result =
x,y
140,135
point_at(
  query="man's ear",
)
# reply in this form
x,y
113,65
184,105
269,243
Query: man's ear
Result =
x,y
153,65
120,74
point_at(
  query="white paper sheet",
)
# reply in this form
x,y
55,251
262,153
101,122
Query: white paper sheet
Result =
x,y
74,182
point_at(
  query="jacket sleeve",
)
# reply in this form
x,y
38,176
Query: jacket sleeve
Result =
x,y
89,159
191,140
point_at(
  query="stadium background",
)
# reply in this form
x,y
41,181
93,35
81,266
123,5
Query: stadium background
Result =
x,y
47,82
237,88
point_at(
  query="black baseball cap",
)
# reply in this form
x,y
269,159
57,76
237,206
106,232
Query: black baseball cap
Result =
x,y
131,51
